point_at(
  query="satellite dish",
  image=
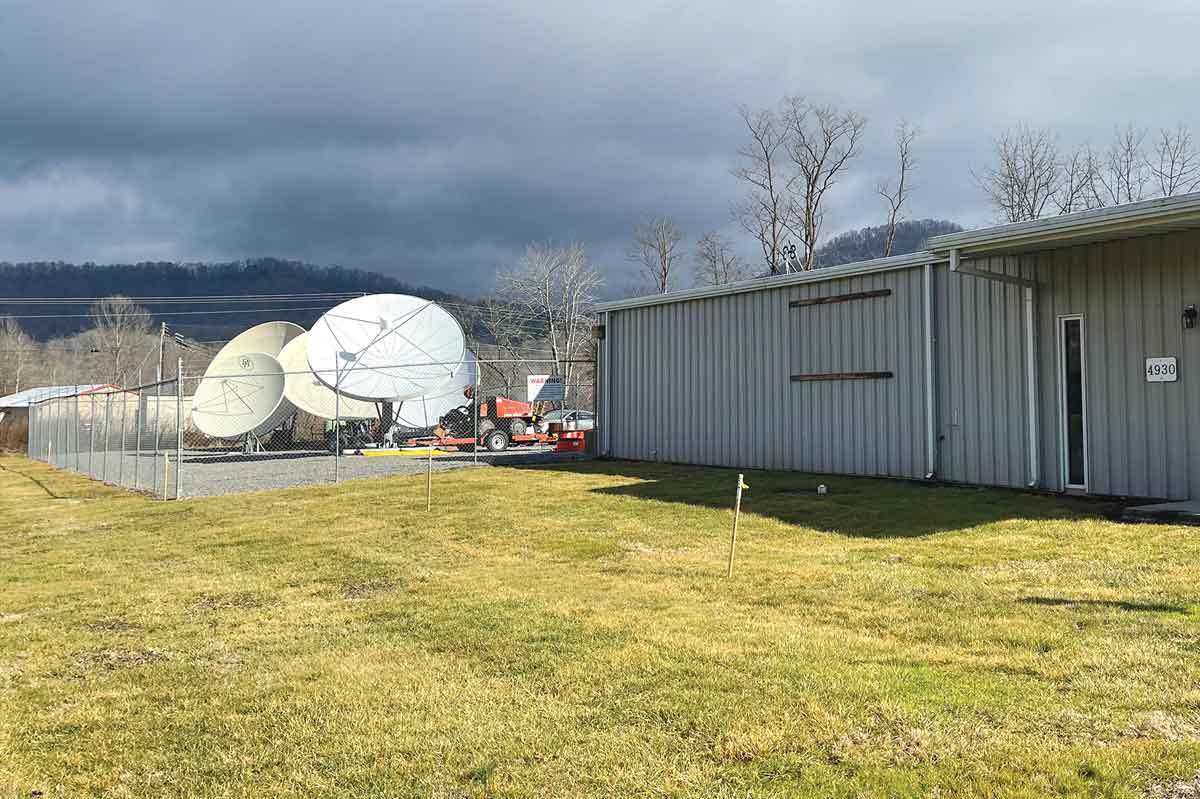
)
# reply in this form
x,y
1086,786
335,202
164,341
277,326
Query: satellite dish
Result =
x,y
241,394
302,388
268,338
386,347
428,409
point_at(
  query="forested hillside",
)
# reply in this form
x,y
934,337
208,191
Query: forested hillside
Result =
x,y
260,276
868,242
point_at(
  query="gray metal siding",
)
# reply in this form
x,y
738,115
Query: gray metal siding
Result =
x,y
868,427
708,381
980,375
1141,437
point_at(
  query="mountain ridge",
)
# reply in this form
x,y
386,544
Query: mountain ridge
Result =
x,y
61,280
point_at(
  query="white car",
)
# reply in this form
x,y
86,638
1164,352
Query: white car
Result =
x,y
584,420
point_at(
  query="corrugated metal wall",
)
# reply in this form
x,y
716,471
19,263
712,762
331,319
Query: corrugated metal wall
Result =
x,y
706,381
982,400
1143,438
874,426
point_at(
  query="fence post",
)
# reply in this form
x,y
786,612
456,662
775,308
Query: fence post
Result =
x,y
475,415
124,442
51,432
107,419
429,462
92,436
157,440
139,421
337,420
178,426
78,460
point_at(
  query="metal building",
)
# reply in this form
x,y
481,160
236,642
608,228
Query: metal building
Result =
x,y
1060,354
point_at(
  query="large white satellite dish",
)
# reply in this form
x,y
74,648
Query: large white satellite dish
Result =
x,y
386,347
241,394
302,388
428,409
268,338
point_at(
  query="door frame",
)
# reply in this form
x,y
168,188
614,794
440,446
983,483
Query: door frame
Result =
x,y
1060,327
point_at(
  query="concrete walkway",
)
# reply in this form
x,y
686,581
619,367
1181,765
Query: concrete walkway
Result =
x,y
1187,512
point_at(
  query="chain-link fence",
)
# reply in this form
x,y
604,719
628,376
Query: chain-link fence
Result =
x,y
223,433
126,437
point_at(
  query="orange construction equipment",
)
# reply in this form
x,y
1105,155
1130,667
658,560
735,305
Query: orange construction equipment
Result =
x,y
570,441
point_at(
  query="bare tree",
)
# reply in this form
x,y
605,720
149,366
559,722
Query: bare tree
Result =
x,y
716,262
1176,168
768,212
1079,186
1025,176
655,249
905,136
515,335
17,352
1125,171
821,142
556,287
119,326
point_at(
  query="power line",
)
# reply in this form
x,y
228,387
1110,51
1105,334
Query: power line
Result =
x,y
513,318
321,308
187,298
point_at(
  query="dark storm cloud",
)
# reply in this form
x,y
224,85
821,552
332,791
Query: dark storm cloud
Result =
x,y
435,142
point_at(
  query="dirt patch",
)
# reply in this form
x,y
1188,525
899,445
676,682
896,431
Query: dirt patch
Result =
x,y
1164,726
367,588
113,625
234,600
1180,789
118,659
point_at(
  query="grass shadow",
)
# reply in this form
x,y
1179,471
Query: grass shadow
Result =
x,y
855,506
49,492
1136,607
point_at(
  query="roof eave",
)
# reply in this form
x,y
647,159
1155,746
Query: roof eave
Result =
x,y
907,261
1098,224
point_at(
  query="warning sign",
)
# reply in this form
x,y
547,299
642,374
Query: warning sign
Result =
x,y
539,388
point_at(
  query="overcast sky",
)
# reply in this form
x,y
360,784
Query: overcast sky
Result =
x,y
434,142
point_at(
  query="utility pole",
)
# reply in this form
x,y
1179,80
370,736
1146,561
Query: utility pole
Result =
x,y
162,342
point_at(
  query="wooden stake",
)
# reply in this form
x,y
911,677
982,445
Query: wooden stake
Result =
x,y
429,481
737,511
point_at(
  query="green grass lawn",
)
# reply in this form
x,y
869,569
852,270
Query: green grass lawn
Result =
x,y
570,632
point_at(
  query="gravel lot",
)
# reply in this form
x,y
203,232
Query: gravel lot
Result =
x,y
206,475
209,474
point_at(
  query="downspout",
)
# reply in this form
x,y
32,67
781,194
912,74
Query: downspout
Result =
x,y
606,425
1031,386
930,430
1028,290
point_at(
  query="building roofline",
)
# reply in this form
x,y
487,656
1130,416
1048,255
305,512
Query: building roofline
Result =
x,y
1126,218
1147,216
907,261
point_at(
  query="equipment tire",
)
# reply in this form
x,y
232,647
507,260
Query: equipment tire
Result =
x,y
496,441
517,427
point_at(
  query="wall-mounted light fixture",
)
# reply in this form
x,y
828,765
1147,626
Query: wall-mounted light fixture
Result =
x,y
1189,316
